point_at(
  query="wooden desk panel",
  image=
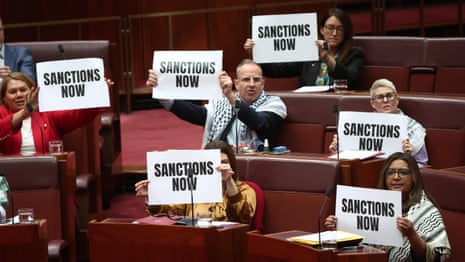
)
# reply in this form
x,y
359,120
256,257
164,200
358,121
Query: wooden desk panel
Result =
x,y
24,242
275,247
121,240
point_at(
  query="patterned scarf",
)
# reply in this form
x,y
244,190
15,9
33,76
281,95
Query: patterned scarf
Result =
x,y
224,112
429,225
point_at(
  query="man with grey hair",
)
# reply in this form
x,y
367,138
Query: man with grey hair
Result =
x,y
15,58
385,99
239,117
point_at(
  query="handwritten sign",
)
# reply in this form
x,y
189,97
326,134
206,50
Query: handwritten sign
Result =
x,y
370,213
285,38
187,74
72,84
168,173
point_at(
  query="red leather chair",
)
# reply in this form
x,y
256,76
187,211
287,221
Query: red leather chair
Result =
x,y
257,222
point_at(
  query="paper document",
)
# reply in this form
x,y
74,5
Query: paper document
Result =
x,y
338,236
356,154
310,89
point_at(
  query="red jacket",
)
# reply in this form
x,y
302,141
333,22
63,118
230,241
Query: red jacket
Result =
x,y
54,126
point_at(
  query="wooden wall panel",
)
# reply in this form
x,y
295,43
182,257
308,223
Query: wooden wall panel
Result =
x,y
228,31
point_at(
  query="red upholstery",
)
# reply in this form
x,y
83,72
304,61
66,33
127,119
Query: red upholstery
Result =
x,y
442,53
46,185
257,222
389,57
418,64
447,189
311,122
294,189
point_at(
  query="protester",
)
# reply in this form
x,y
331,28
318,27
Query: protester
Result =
x,y
340,61
239,200
25,130
385,99
15,58
260,115
421,224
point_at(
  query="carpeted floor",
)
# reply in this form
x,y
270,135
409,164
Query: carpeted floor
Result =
x,y
156,129
143,131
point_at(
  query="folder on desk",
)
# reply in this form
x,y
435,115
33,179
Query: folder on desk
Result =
x,y
340,238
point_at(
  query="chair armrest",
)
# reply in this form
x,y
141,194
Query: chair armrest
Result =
x,y
57,250
83,181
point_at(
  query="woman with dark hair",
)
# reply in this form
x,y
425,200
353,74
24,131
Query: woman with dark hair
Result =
x,y
338,58
239,200
19,134
421,224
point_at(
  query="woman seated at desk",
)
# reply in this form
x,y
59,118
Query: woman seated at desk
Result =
x,y
239,200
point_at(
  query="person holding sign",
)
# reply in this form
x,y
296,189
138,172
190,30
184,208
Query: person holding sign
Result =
x,y
238,117
239,200
24,130
421,223
385,99
338,58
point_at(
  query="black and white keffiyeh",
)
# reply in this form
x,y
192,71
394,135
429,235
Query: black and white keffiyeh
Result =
x,y
429,225
221,112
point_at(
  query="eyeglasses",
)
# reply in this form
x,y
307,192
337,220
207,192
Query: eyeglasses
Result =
x,y
401,172
380,98
331,28
256,79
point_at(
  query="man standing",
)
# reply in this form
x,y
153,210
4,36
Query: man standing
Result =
x,y
15,58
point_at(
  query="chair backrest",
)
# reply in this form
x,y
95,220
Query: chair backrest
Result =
x,y
47,184
34,183
257,221
447,189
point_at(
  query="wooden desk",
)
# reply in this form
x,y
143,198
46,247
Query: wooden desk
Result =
x,y
275,247
121,240
24,242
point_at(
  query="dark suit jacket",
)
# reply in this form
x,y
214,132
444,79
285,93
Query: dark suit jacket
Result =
x,y
350,68
19,59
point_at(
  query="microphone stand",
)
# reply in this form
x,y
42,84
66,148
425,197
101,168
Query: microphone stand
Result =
x,y
30,108
190,179
336,112
329,191
236,108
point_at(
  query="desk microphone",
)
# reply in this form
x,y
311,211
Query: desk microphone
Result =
x,y
30,108
237,106
2,176
190,179
336,112
329,191
62,50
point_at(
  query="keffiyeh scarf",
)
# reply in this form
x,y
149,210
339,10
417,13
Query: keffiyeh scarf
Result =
x,y
429,225
221,112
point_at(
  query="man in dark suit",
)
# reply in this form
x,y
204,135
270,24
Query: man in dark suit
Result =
x,y
15,58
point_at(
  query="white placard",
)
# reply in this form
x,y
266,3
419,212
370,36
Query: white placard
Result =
x,y
371,213
72,84
187,74
167,172
285,38
374,132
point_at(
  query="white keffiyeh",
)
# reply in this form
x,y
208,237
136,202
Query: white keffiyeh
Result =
x,y
220,112
429,225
